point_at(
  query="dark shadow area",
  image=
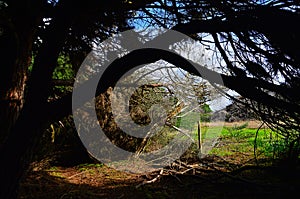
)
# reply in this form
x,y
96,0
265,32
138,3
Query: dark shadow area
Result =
x,y
205,179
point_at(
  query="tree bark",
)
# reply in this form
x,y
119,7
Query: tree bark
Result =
x,y
12,89
16,45
24,133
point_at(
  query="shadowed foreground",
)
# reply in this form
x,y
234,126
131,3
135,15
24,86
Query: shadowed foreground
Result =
x,y
209,178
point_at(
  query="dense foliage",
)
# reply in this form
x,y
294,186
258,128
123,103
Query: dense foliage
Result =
x,y
256,59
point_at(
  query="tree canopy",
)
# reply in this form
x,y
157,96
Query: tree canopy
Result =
x,y
254,46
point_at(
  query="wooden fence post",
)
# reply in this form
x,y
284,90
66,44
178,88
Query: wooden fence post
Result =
x,y
199,137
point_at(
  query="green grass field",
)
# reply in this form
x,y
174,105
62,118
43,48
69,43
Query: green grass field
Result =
x,y
242,139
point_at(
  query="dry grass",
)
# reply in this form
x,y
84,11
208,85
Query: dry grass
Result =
x,y
252,124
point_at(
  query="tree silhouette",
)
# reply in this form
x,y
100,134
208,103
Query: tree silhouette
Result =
x,y
258,60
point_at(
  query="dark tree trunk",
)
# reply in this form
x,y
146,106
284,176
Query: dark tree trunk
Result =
x,y
18,22
17,150
16,59
16,48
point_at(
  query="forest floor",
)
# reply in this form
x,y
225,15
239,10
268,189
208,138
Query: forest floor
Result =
x,y
191,181
231,174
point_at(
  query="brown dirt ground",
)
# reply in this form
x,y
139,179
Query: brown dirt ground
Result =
x,y
210,178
